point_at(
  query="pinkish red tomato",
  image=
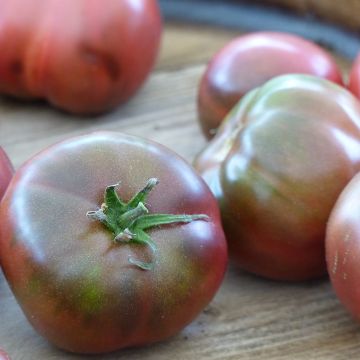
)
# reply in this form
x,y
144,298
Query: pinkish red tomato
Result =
x,y
6,172
4,355
354,79
343,247
248,62
83,56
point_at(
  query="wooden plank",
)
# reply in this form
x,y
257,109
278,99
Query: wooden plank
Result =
x,y
250,318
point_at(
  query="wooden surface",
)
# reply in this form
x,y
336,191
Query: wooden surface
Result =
x,y
250,318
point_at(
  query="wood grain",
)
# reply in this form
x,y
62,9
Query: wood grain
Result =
x,y
250,318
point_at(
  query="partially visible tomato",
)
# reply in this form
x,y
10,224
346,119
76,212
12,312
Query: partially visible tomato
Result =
x,y
6,172
277,166
4,355
343,247
248,62
354,79
83,56
94,286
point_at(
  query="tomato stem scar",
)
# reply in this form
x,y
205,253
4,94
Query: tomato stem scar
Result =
x,y
129,221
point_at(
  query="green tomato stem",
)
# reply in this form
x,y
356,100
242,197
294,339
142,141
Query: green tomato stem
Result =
x,y
128,221
130,216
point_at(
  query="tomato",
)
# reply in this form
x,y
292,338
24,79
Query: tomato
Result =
x,y
248,62
277,166
343,247
82,56
97,286
6,172
3,355
354,78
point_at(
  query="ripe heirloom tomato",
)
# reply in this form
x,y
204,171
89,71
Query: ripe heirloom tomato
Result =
x,y
277,166
248,62
6,172
147,265
4,355
343,247
354,79
83,56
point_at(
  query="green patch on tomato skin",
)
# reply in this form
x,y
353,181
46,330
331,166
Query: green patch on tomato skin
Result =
x,y
91,295
174,290
33,282
84,296
34,285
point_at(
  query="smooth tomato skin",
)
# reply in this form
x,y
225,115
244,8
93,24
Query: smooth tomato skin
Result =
x,y
277,166
95,62
6,172
4,355
249,61
343,247
74,285
354,78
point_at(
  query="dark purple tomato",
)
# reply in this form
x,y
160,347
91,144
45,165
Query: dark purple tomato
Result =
x,y
97,267
277,166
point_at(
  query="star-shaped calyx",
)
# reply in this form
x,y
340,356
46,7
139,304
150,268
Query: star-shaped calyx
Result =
x,y
129,221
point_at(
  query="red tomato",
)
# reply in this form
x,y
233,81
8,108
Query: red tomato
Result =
x,y
343,247
4,355
83,286
6,172
277,166
248,62
354,80
83,56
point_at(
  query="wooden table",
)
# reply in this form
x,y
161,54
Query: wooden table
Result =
x,y
250,318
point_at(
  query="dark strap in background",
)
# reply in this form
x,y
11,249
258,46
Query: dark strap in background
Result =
x,y
247,16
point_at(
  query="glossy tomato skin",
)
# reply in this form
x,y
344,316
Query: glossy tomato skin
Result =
x,y
95,60
6,172
343,247
76,287
277,166
354,78
248,62
4,355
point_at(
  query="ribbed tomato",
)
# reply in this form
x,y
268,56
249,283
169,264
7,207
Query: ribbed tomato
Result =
x,y
83,56
277,166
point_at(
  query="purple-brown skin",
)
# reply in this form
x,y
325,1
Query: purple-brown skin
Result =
x,y
251,60
81,56
6,172
277,166
343,247
76,285
354,78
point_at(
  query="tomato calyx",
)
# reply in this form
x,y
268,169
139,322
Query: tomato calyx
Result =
x,y
129,221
